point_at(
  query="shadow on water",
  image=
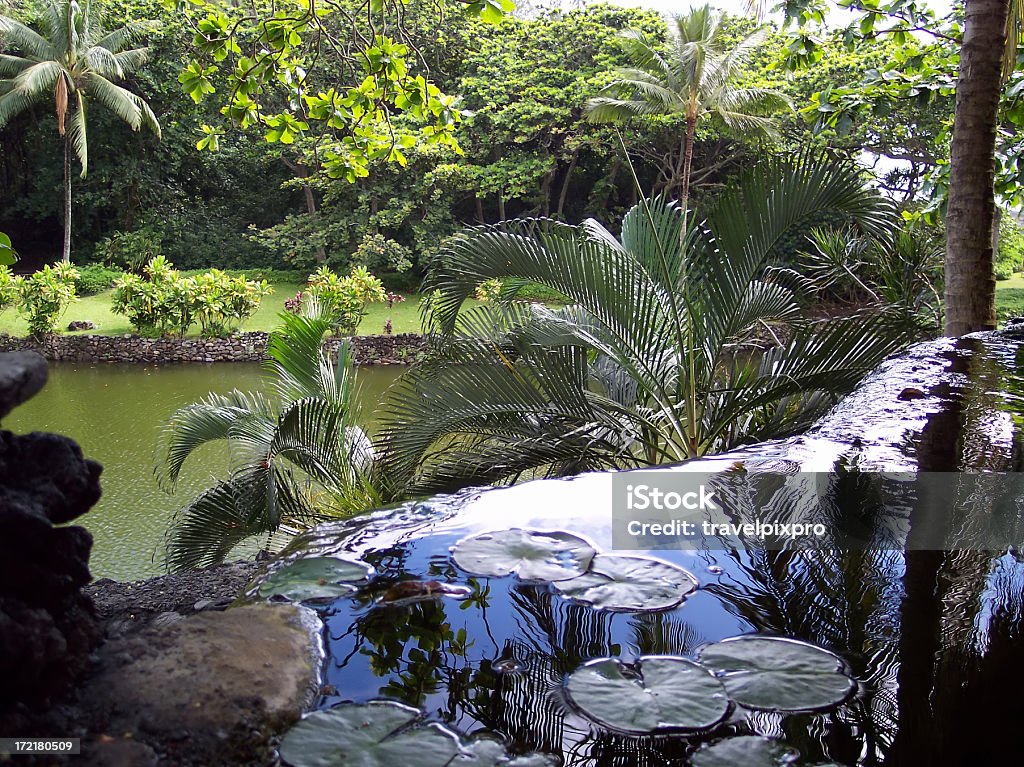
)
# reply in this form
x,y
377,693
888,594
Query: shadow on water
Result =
x,y
934,638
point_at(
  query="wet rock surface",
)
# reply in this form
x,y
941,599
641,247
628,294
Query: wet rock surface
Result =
x,y
47,625
214,688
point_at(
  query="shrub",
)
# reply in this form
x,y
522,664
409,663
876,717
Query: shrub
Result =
x,y
167,302
44,296
129,251
378,252
95,278
344,299
8,287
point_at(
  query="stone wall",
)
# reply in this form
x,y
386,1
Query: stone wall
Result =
x,y
243,347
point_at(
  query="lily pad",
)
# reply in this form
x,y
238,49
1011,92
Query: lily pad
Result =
x,y
776,674
490,753
660,692
316,578
746,750
374,734
628,584
530,554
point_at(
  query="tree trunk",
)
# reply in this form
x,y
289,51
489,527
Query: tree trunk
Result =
x,y
565,184
67,201
970,281
303,172
501,206
479,209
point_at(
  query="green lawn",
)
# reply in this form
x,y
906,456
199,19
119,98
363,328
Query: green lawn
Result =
x,y
405,317
1010,297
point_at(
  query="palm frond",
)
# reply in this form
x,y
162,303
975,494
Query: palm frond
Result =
x,y
213,418
205,531
132,60
38,79
119,39
78,136
118,100
23,38
10,66
12,104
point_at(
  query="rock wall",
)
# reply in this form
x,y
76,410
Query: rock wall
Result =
x,y
47,625
243,347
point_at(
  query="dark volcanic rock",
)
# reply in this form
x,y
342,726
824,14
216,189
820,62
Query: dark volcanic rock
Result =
x,y
47,625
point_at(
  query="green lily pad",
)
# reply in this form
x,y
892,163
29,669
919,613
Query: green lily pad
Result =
x,y
746,750
661,692
316,578
628,584
530,554
491,753
775,674
376,734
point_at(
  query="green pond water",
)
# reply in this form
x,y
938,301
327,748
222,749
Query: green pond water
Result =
x,y
115,413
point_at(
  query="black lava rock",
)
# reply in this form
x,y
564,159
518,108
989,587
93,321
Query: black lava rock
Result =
x,y
47,624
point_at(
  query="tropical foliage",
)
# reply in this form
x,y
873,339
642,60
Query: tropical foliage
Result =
x,y
696,79
44,296
343,300
665,351
74,59
297,454
164,302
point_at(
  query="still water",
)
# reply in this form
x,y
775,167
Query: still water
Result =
x,y
115,413
933,635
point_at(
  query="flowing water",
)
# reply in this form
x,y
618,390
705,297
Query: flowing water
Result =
x,y
115,413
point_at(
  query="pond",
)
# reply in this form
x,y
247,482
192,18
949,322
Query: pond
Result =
x,y
451,642
115,413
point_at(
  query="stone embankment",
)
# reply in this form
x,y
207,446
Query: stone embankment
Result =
x,y
242,347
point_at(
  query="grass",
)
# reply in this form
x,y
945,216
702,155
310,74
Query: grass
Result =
x,y
1010,297
405,317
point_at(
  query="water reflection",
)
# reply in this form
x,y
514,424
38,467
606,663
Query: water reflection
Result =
x,y
934,637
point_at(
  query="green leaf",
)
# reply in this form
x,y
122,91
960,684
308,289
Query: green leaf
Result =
x,y
376,734
658,693
8,255
529,554
775,674
315,578
629,584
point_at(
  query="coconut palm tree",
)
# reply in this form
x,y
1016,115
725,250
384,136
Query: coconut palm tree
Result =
x,y
694,77
296,453
665,350
71,59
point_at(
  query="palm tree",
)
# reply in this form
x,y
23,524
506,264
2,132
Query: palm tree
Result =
x,y
71,58
296,455
636,369
696,78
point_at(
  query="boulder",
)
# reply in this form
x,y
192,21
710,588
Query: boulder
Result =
x,y
47,625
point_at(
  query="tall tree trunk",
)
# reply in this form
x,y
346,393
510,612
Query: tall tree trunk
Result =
x,y
67,200
479,209
684,192
565,184
970,281
501,206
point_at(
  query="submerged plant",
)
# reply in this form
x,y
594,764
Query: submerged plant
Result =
x,y
666,350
